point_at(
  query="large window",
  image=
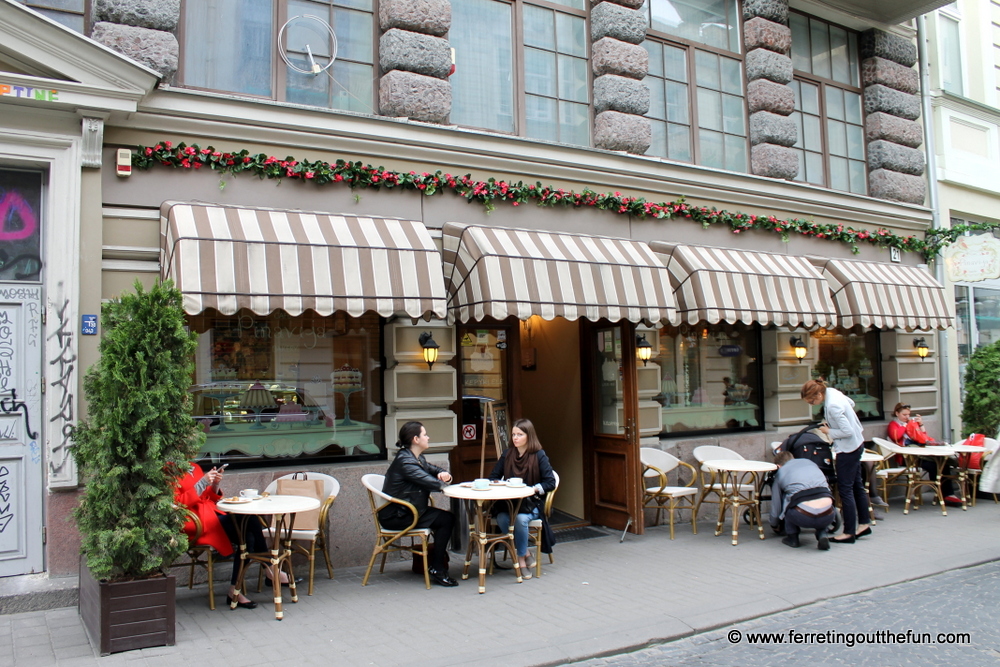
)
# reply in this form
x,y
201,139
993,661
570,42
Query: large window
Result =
x,y
850,362
20,225
709,378
248,60
696,93
828,105
280,388
950,50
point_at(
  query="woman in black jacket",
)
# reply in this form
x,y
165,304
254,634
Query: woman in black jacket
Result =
x,y
528,461
411,478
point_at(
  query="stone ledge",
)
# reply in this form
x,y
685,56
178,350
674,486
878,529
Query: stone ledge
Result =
x,y
37,592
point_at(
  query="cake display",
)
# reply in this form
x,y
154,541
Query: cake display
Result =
x,y
346,379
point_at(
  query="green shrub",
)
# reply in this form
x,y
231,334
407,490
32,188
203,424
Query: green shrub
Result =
x,y
981,408
139,435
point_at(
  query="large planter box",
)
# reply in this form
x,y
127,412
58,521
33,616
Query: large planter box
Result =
x,y
127,615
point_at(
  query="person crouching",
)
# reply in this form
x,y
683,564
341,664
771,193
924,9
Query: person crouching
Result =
x,y
803,498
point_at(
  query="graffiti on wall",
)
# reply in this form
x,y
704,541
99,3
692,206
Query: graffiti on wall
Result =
x,y
5,513
20,224
64,365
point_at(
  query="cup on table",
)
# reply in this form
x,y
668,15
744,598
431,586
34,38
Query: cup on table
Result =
x,y
481,484
249,493
515,481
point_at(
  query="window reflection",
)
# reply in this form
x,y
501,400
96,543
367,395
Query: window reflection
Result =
x,y
711,22
850,362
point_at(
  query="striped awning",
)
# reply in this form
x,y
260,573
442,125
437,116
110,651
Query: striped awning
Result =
x,y
887,296
728,285
230,257
496,272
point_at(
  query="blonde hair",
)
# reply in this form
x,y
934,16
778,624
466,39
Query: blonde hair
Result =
x,y
812,389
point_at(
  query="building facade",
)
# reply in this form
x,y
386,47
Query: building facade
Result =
x,y
732,187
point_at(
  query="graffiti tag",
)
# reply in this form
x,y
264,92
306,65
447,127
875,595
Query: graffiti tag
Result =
x,y
5,514
11,405
65,366
14,208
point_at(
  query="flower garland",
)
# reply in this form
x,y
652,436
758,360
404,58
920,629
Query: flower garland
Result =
x,y
491,191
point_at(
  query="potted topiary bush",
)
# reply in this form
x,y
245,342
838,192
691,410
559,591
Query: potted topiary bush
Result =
x,y
981,407
131,450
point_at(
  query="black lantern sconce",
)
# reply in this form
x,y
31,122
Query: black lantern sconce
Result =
x,y
643,348
922,349
799,346
430,349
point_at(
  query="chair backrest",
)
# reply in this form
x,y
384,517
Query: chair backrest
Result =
x,y
331,487
551,496
710,452
774,446
888,448
992,444
657,458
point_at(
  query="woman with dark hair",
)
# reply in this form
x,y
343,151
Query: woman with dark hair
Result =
x,y
526,460
411,478
843,425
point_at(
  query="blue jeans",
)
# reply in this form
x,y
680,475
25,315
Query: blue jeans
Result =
x,y
520,529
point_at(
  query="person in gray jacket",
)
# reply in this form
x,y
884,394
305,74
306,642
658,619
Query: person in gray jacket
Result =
x,y
801,498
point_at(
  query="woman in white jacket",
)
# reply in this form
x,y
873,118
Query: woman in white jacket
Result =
x,y
844,427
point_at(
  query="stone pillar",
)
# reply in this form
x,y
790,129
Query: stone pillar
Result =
x,y
142,30
621,99
770,99
416,59
892,105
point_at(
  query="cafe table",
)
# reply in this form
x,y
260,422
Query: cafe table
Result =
x,y
940,455
283,509
480,501
733,474
965,453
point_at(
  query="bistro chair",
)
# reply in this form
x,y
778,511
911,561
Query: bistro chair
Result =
x,y
201,555
709,480
656,464
887,474
535,529
306,542
388,540
991,444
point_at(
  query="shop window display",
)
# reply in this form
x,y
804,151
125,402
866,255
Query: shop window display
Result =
x,y
850,362
278,387
709,378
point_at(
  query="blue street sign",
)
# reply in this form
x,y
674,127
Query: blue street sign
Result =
x,y
89,325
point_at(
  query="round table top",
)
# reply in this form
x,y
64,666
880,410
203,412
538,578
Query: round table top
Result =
x,y
740,465
936,450
495,492
270,505
968,449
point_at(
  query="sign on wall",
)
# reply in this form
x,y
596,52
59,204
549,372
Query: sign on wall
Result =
x,y
972,259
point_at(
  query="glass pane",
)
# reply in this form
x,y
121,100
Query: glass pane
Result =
x,y
736,153
573,84
732,76
679,142
812,136
800,158
308,88
962,327
258,393
733,115
571,34
859,174
67,5
951,55
658,145
711,145
797,119
852,107
305,32
820,43
839,177
353,85
808,98
482,93
483,367
850,363
707,70
575,4
541,118
71,21
852,48
355,4
834,103
855,142
608,413
814,168
539,27
986,306
655,51
657,100
712,22
21,194
236,64
839,57
540,72
709,109
354,35
574,124
800,42
677,102
675,63
836,136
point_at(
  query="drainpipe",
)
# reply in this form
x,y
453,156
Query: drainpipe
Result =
x,y
933,201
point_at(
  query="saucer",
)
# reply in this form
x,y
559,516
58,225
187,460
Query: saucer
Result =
x,y
475,489
515,486
236,500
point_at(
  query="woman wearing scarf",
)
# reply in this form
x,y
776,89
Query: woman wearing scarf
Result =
x,y
528,461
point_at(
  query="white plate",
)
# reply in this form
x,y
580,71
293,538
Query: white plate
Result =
x,y
237,501
475,489
516,486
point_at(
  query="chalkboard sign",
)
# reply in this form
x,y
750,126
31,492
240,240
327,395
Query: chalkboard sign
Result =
x,y
497,419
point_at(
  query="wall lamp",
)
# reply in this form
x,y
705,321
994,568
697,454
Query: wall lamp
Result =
x,y
799,346
430,349
922,349
643,348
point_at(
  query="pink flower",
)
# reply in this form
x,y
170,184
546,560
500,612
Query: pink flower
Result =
x,y
309,174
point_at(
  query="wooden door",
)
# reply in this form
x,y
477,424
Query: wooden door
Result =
x,y
611,437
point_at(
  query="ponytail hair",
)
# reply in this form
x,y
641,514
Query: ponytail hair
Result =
x,y
813,389
407,433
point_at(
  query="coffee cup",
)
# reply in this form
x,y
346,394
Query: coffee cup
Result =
x,y
515,481
249,493
481,484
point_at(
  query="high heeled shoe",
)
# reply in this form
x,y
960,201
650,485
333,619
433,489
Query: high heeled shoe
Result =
x,y
250,604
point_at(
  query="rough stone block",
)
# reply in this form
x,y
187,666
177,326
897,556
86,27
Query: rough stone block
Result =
x,y
152,14
155,49
770,128
764,64
613,56
610,20
759,33
615,131
887,155
878,43
431,17
414,52
634,4
620,94
772,10
894,186
896,76
881,125
774,161
764,95
881,98
414,96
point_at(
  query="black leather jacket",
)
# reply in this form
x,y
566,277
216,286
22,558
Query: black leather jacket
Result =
x,y
411,479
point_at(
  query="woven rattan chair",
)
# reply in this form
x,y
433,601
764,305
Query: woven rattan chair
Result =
x,y
656,466
388,540
708,480
535,529
992,444
201,555
889,475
